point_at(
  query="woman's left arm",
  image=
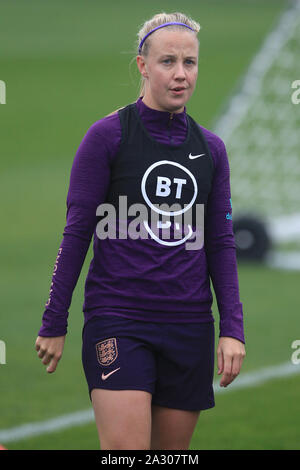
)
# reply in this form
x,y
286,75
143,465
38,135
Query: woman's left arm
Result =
x,y
222,266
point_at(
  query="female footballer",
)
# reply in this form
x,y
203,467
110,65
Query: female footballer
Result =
x,y
148,335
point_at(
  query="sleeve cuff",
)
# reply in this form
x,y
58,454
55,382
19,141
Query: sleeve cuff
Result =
x,y
231,323
53,324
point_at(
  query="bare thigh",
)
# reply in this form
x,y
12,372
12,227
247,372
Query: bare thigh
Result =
x,y
123,418
171,428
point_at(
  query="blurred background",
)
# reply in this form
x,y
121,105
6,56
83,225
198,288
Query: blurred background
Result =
x,y
65,65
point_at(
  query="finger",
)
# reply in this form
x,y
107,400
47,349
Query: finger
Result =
x,y
47,358
52,367
220,362
236,366
241,362
227,372
226,379
242,359
53,363
41,352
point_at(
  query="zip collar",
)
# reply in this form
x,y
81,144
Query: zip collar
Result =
x,y
163,122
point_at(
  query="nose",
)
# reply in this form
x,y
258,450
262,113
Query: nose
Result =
x,y
179,72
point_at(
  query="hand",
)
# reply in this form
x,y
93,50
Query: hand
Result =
x,y
50,350
230,353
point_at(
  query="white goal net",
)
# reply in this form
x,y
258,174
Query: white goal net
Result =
x,y
261,130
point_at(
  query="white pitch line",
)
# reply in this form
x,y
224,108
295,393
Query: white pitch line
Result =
x,y
79,418
25,431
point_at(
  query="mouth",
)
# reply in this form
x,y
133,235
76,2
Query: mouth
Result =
x,y
178,90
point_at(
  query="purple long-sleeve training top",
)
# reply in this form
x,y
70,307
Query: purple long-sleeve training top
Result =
x,y
131,282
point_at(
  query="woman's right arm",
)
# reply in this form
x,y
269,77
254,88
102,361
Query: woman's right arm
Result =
x,y
88,186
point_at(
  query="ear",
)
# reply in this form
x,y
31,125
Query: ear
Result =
x,y
142,66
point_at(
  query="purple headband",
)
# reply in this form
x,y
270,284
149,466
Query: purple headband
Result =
x,y
158,27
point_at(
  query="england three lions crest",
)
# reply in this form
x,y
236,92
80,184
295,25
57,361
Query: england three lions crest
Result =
x,y
107,351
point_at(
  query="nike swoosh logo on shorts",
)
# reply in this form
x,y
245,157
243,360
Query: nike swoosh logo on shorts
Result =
x,y
104,377
195,156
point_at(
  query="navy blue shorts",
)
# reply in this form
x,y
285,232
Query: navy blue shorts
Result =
x,y
172,361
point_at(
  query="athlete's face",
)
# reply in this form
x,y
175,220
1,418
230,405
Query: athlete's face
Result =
x,y
170,69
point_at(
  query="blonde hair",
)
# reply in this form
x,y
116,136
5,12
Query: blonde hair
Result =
x,y
158,20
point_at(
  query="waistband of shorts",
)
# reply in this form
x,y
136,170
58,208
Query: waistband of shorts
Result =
x,y
150,316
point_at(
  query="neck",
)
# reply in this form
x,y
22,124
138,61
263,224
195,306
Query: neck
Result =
x,y
149,102
165,127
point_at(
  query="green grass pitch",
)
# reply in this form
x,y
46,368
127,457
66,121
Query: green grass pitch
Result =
x,y
66,65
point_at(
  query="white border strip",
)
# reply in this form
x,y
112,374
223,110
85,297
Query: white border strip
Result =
x,y
81,418
238,107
